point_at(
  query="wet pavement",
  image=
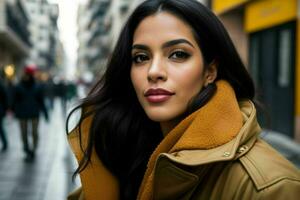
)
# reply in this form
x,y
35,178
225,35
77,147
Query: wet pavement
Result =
x,y
48,177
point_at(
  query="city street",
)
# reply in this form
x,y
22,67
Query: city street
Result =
x,y
49,176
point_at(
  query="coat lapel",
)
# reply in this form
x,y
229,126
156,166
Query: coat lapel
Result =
x,y
213,125
172,182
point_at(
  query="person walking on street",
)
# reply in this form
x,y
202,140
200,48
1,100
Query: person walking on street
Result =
x,y
28,104
3,108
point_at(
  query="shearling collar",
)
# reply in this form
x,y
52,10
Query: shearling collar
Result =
x,y
207,135
231,150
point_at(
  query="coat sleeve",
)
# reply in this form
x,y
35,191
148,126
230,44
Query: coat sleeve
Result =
x,y
281,189
284,189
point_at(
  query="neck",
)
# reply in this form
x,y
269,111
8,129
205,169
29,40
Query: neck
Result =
x,y
166,127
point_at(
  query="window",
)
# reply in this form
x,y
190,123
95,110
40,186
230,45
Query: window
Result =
x,y
284,63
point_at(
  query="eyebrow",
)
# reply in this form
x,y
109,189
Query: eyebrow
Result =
x,y
165,45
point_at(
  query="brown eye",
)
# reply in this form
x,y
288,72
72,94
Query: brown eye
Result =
x,y
179,55
139,58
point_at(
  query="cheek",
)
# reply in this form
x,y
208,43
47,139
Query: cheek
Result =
x,y
136,80
190,81
194,83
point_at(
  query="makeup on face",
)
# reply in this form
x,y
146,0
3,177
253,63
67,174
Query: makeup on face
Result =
x,y
167,66
158,95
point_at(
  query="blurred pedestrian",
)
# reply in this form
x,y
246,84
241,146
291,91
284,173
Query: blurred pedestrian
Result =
x,y
3,109
71,91
28,104
61,92
50,93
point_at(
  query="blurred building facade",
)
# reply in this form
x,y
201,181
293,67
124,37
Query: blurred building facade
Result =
x,y
266,34
44,33
60,69
92,34
99,23
14,36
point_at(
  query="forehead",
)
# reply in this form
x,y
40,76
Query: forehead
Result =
x,y
162,26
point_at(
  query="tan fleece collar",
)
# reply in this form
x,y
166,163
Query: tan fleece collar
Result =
x,y
214,124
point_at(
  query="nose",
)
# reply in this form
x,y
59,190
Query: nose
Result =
x,y
157,71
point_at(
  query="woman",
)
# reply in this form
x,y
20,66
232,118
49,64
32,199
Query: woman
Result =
x,y
173,116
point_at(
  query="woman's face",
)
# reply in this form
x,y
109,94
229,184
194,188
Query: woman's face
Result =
x,y
167,66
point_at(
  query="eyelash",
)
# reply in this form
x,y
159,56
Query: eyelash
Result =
x,y
141,56
180,55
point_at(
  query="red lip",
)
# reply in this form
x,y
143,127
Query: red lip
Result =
x,y
158,95
158,91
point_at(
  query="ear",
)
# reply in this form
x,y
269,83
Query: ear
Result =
x,y
211,73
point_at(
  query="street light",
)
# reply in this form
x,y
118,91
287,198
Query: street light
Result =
x,y
9,71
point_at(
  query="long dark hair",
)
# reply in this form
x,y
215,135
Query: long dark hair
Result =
x,y
121,133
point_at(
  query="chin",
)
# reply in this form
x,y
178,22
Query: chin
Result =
x,y
157,119
159,116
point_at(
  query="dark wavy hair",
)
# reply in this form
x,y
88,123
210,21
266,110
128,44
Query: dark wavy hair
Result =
x,y
121,133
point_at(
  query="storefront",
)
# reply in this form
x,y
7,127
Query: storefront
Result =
x,y
273,49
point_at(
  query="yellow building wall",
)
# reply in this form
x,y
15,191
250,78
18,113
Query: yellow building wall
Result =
x,y
220,6
262,14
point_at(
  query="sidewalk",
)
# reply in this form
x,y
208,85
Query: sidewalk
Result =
x,y
49,176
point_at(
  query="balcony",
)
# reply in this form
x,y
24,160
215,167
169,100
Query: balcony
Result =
x,y
96,55
48,58
17,21
14,34
92,3
124,7
98,11
100,31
